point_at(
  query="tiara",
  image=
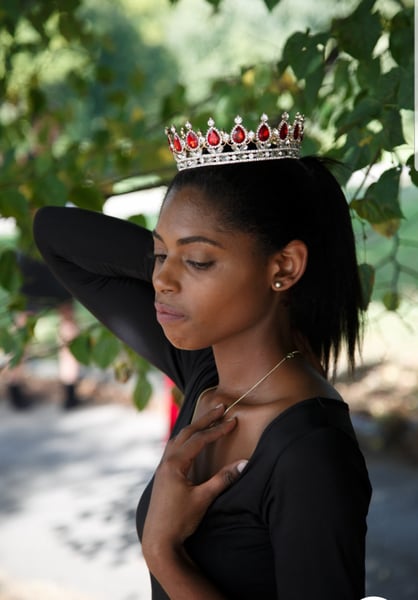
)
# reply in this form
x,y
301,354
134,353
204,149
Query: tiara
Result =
x,y
191,148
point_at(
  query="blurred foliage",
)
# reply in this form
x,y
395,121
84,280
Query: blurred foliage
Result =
x,y
84,99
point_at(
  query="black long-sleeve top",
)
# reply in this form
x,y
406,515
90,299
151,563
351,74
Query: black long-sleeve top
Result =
x,y
294,525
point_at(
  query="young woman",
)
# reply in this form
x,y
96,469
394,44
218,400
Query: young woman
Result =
x,y
253,290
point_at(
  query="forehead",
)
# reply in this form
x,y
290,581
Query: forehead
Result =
x,y
190,206
189,214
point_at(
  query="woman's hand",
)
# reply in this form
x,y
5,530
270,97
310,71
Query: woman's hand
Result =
x,y
177,505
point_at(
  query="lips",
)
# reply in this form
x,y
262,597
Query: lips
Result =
x,y
167,314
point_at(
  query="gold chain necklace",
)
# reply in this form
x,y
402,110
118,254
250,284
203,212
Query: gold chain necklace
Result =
x,y
284,359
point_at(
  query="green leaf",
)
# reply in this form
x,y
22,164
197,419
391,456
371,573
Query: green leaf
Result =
x,y
7,342
388,228
13,204
10,275
401,40
381,200
142,392
365,110
391,300
174,103
68,25
271,4
138,220
342,76
406,90
101,136
105,74
367,279
412,164
392,132
313,84
388,89
358,33
86,195
369,75
360,149
19,341
37,100
81,347
304,53
215,4
105,349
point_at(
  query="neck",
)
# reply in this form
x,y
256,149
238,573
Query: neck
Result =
x,y
241,365
288,356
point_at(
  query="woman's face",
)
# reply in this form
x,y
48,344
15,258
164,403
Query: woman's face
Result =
x,y
211,285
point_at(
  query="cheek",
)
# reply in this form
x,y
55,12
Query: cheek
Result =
x,y
233,303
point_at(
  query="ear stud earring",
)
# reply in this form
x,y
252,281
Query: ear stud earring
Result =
x,y
277,285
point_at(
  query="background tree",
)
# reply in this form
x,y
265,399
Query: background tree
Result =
x,y
85,98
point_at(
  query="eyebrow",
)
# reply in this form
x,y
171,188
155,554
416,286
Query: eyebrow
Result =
x,y
192,239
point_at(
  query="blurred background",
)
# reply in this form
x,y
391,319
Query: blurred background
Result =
x,y
86,90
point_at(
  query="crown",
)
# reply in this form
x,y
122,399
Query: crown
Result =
x,y
193,149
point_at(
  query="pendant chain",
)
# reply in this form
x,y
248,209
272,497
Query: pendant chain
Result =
x,y
288,356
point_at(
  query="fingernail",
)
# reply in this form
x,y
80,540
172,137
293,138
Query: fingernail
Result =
x,y
229,419
241,466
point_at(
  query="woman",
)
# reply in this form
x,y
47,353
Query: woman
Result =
x,y
262,492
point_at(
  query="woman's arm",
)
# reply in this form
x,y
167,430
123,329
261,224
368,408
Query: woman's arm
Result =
x,y
318,519
106,263
177,507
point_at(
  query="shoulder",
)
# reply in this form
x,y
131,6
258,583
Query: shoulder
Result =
x,y
308,420
319,476
315,441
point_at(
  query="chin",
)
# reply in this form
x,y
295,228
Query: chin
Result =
x,y
182,344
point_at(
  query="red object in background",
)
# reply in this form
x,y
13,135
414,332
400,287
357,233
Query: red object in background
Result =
x,y
174,411
173,407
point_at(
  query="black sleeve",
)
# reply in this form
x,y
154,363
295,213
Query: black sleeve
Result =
x,y
318,521
106,263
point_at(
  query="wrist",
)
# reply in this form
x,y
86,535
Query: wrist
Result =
x,y
158,554
178,575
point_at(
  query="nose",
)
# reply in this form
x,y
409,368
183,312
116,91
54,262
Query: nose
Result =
x,y
164,279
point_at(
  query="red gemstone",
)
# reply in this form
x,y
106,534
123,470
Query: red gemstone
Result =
x,y
238,135
213,138
192,140
284,130
296,132
263,133
177,143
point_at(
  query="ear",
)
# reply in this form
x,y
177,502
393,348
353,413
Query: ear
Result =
x,y
288,265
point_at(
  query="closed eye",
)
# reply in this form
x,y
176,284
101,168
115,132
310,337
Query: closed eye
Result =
x,y
159,258
201,265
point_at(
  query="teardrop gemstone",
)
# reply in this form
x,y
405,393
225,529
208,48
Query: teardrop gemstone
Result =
x,y
296,131
238,135
192,140
178,147
213,137
284,130
263,133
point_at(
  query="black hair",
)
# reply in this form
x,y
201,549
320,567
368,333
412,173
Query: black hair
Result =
x,y
296,199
